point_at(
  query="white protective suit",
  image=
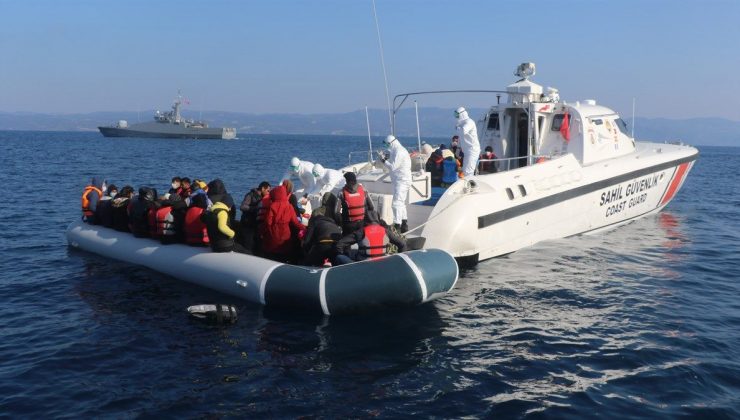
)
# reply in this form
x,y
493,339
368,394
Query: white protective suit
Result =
x,y
304,170
399,164
327,179
470,144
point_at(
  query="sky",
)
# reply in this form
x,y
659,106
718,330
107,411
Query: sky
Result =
x,y
677,59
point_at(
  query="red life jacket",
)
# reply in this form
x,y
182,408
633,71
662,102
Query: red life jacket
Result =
x,y
165,222
375,242
196,232
86,201
355,203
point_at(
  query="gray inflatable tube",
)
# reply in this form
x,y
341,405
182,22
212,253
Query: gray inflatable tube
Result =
x,y
404,279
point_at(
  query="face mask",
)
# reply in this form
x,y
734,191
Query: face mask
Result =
x,y
175,185
113,194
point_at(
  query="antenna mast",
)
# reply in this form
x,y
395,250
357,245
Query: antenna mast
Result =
x,y
418,130
633,118
385,76
369,138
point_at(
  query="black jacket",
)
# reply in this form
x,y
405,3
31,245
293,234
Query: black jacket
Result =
x,y
321,229
321,237
250,207
435,170
138,211
119,214
104,213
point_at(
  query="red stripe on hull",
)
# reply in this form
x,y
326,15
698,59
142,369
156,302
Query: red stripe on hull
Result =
x,y
673,187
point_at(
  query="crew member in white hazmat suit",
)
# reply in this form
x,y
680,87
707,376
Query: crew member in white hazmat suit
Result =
x,y
304,170
470,143
399,164
327,179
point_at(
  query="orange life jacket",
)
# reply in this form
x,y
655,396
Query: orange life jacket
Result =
x,y
86,201
375,242
355,203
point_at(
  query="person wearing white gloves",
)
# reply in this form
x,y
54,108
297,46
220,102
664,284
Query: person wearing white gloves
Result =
x,y
399,164
326,179
303,169
470,143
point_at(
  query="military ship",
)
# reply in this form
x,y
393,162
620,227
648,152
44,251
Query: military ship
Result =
x,y
169,125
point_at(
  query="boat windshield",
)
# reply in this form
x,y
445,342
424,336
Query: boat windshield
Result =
x,y
622,126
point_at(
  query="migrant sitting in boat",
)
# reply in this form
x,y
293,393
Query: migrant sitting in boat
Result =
x,y
270,225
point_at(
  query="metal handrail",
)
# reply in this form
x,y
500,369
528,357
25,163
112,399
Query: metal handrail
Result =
x,y
368,153
405,96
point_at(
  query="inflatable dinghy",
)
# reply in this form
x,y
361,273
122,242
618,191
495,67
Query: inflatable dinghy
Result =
x,y
405,279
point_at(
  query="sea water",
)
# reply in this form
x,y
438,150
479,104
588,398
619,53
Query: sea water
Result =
x,y
640,321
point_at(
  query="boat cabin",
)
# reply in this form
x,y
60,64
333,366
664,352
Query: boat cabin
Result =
x,y
534,125
530,127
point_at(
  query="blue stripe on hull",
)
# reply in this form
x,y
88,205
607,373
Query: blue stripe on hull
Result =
x,y
437,269
388,281
293,287
384,281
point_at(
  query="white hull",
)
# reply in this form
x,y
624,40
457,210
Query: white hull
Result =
x,y
565,168
507,211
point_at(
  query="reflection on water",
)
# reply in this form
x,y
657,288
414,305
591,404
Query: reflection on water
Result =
x,y
570,311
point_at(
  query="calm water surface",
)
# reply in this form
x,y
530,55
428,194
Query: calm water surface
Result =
x,y
641,321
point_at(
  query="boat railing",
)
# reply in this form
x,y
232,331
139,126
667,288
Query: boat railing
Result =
x,y
354,157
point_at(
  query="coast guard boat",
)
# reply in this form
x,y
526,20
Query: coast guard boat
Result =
x,y
169,125
563,169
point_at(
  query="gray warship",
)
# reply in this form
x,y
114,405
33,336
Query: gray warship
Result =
x,y
169,125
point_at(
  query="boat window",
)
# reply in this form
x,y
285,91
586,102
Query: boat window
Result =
x,y
597,122
622,126
522,190
557,121
493,123
510,193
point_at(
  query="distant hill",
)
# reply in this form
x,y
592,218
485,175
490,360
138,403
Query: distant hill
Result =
x,y
434,122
